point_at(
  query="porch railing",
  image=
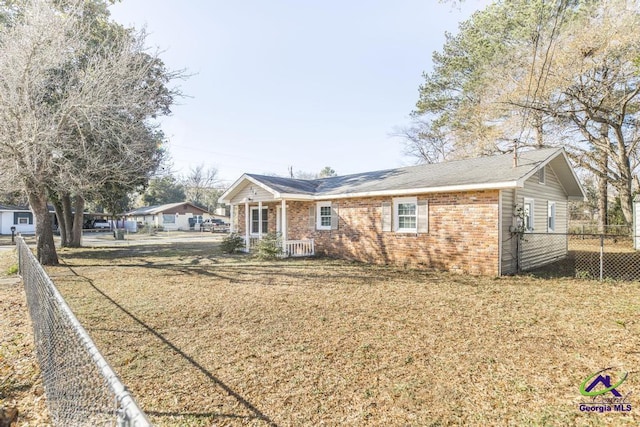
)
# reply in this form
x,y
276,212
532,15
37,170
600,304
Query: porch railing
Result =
x,y
290,248
299,248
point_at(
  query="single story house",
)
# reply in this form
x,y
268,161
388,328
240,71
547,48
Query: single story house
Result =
x,y
461,216
171,216
19,217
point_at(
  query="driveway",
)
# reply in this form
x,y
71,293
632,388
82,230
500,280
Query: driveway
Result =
x,y
105,238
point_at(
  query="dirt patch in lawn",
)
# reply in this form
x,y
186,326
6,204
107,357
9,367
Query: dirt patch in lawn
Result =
x,y
204,339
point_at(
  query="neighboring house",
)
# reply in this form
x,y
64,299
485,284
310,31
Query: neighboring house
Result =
x,y
19,217
457,216
172,216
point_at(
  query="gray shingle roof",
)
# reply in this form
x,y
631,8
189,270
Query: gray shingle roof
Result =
x,y
13,208
477,171
288,185
153,210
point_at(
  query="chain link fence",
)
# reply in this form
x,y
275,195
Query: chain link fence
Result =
x,y
586,256
80,386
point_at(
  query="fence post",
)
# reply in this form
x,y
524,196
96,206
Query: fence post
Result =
x,y
601,255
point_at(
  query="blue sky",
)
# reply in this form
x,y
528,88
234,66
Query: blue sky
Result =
x,y
306,84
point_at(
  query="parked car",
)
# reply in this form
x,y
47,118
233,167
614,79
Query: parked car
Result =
x,y
214,225
101,224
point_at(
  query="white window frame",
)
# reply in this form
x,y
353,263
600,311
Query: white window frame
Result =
x,y
551,216
528,228
168,218
396,214
320,216
265,220
542,176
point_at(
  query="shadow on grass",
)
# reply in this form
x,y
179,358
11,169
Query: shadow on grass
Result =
x,y
160,250
256,413
206,259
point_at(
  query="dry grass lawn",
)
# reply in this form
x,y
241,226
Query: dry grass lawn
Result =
x,y
204,339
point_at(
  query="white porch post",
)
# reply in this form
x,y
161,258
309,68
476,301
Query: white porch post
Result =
x,y
260,220
283,224
247,239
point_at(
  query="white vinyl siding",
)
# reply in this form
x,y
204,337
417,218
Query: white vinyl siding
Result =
x,y
252,193
509,242
538,248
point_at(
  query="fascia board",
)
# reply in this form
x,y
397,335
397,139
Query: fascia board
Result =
x,y
409,191
404,192
294,196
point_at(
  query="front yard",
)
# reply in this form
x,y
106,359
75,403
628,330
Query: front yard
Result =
x,y
203,338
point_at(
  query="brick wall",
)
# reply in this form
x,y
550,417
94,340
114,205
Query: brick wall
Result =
x,y
462,237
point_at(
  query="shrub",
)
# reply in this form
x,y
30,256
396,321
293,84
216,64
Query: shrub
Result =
x,y
13,269
232,243
270,246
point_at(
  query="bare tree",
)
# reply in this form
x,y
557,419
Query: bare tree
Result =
x,y
424,143
200,186
75,114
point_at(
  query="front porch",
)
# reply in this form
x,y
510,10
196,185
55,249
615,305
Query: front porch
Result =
x,y
255,220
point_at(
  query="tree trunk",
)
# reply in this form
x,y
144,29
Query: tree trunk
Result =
x,y
603,192
539,129
603,201
78,220
624,184
46,248
57,205
68,219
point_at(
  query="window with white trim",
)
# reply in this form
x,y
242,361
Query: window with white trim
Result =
x,y
405,214
541,177
551,217
528,210
323,216
22,218
255,220
168,219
